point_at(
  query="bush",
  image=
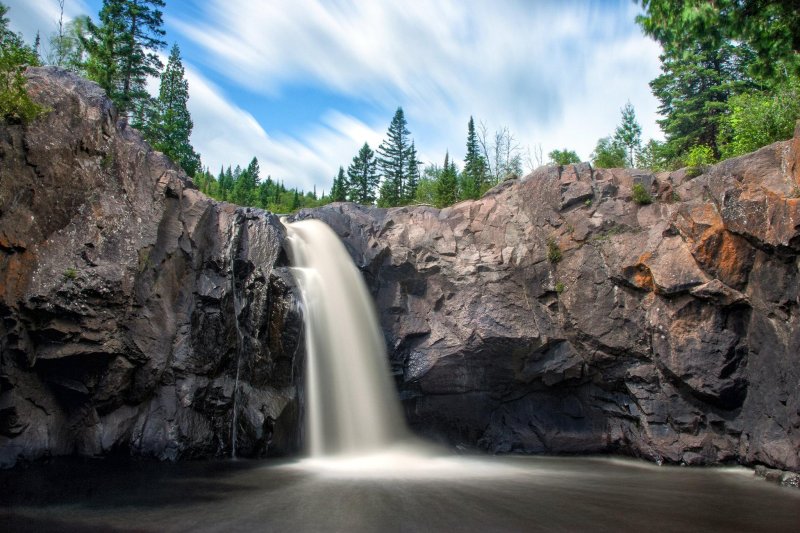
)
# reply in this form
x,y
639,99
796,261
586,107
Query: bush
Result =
x,y
609,154
760,118
640,194
698,159
564,157
559,287
553,251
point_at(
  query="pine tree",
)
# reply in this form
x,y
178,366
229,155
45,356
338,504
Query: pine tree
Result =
x,y
15,56
339,189
473,178
629,133
412,176
362,177
393,160
169,125
447,185
122,49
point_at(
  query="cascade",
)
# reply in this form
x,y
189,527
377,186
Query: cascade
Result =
x,y
352,407
237,309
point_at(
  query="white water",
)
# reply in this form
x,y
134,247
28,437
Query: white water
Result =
x,y
237,309
351,403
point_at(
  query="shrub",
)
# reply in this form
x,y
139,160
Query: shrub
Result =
x,y
553,251
640,194
559,287
70,273
15,56
698,159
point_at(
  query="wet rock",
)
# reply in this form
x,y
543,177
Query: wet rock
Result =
x,y
119,290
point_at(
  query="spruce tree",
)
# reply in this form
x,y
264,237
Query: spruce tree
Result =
x,y
122,49
447,184
412,176
393,156
339,189
170,125
473,178
629,133
362,177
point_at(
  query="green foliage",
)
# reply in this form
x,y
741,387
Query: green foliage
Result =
x,y
560,287
412,176
760,118
15,57
393,155
339,189
474,180
564,157
122,49
70,273
553,251
629,133
167,123
447,184
608,154
651,156
362,175
640,194
697,160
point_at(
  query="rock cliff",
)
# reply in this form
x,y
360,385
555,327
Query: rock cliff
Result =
x,y
120,291
557,315
552,315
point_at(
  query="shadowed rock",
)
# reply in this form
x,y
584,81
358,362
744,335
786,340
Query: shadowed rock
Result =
x,y
117,282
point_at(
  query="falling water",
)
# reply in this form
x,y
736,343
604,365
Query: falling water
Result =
x,y
352,407
237,309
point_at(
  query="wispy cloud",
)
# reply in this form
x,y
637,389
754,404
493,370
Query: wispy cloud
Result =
x,y
556,73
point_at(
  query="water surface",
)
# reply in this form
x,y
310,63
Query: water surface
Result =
x,y
440,494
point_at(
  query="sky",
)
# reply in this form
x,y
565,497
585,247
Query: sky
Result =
x,y
302,84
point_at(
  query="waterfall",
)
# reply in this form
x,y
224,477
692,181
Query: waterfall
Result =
x,y
352,407
237,309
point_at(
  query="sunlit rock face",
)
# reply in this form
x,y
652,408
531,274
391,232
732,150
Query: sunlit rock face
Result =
x,y
669,331
117,323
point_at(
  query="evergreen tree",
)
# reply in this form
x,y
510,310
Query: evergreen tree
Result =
x,y
362,175
15,56
447,185
412,176
122,49
170,125
473,178
393,156
339,189
629,133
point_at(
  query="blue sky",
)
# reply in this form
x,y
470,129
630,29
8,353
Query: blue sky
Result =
x,y
302,84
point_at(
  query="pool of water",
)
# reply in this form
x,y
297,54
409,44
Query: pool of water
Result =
x,y
393,492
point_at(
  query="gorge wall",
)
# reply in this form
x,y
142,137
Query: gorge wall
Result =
x,y
118,288
668,331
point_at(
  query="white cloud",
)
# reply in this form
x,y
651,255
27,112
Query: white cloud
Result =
x,y
554,73
30,17
226,134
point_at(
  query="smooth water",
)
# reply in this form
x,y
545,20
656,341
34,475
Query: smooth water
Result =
x,y
351,403
525,494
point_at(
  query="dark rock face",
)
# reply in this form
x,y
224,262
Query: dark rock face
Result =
x,y
120,288
669,331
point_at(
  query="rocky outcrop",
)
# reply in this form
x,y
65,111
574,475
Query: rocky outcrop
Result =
x,y
556,315
121,287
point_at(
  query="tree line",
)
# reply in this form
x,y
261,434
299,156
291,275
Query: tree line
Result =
x,y
730,83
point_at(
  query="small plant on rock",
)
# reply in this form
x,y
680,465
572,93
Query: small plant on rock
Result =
x,y
640,194
553,251
70,273
560,287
